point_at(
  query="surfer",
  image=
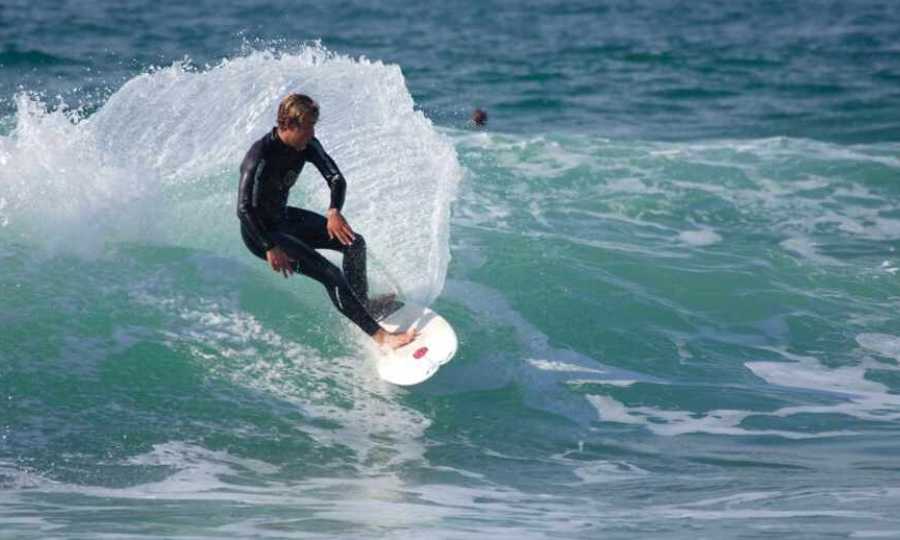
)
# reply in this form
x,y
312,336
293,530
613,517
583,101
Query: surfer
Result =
x,y
287,237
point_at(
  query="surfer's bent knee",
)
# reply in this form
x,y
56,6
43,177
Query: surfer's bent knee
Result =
x,y
358,244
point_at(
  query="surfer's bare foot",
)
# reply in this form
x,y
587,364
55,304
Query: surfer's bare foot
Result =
x,y
394,340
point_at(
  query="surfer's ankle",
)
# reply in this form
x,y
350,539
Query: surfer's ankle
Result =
x,y
379,335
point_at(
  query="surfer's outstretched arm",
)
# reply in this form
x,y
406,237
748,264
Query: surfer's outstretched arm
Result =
x,y
337,225
328,168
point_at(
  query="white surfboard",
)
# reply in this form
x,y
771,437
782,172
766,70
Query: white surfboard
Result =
x,y
418,361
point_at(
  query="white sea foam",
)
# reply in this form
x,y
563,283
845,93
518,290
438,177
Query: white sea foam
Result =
x,y
883,344
700,238
807,249
64,191
807,372
675,422
4,220
855,395
620,383
363,505
550,365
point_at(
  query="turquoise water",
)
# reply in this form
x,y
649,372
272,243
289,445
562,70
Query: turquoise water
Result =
x,y
671,258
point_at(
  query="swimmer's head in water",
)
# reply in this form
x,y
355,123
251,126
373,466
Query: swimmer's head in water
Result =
x,y
297,109
479,117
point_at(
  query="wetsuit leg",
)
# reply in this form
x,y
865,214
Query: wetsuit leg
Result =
x,y
311,263
310,227
291,235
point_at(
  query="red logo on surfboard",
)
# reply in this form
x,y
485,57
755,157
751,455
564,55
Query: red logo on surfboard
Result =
x,y
420,352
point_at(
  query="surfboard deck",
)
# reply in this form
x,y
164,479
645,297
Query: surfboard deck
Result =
x,y
418,361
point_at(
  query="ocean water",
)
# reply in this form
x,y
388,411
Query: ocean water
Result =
x,y
671,257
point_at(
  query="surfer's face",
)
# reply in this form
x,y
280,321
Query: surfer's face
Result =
x,y
298,135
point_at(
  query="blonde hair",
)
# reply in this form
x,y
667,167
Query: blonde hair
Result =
x,y
294,108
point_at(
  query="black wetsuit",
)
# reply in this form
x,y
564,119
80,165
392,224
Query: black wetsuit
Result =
x,y
268,172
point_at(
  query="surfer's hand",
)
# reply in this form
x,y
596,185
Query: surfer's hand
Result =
x,y
339,228
279,261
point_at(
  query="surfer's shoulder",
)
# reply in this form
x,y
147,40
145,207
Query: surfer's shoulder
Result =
x,y
261,147
257,151
315,146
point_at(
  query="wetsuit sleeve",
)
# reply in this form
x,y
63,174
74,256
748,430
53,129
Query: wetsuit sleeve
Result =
x,y
248,199
329,171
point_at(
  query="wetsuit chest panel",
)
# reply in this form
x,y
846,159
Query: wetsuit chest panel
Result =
x,y
268,172
290,177
279,173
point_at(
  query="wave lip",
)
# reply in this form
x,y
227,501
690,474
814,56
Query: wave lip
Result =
x,y
158,161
